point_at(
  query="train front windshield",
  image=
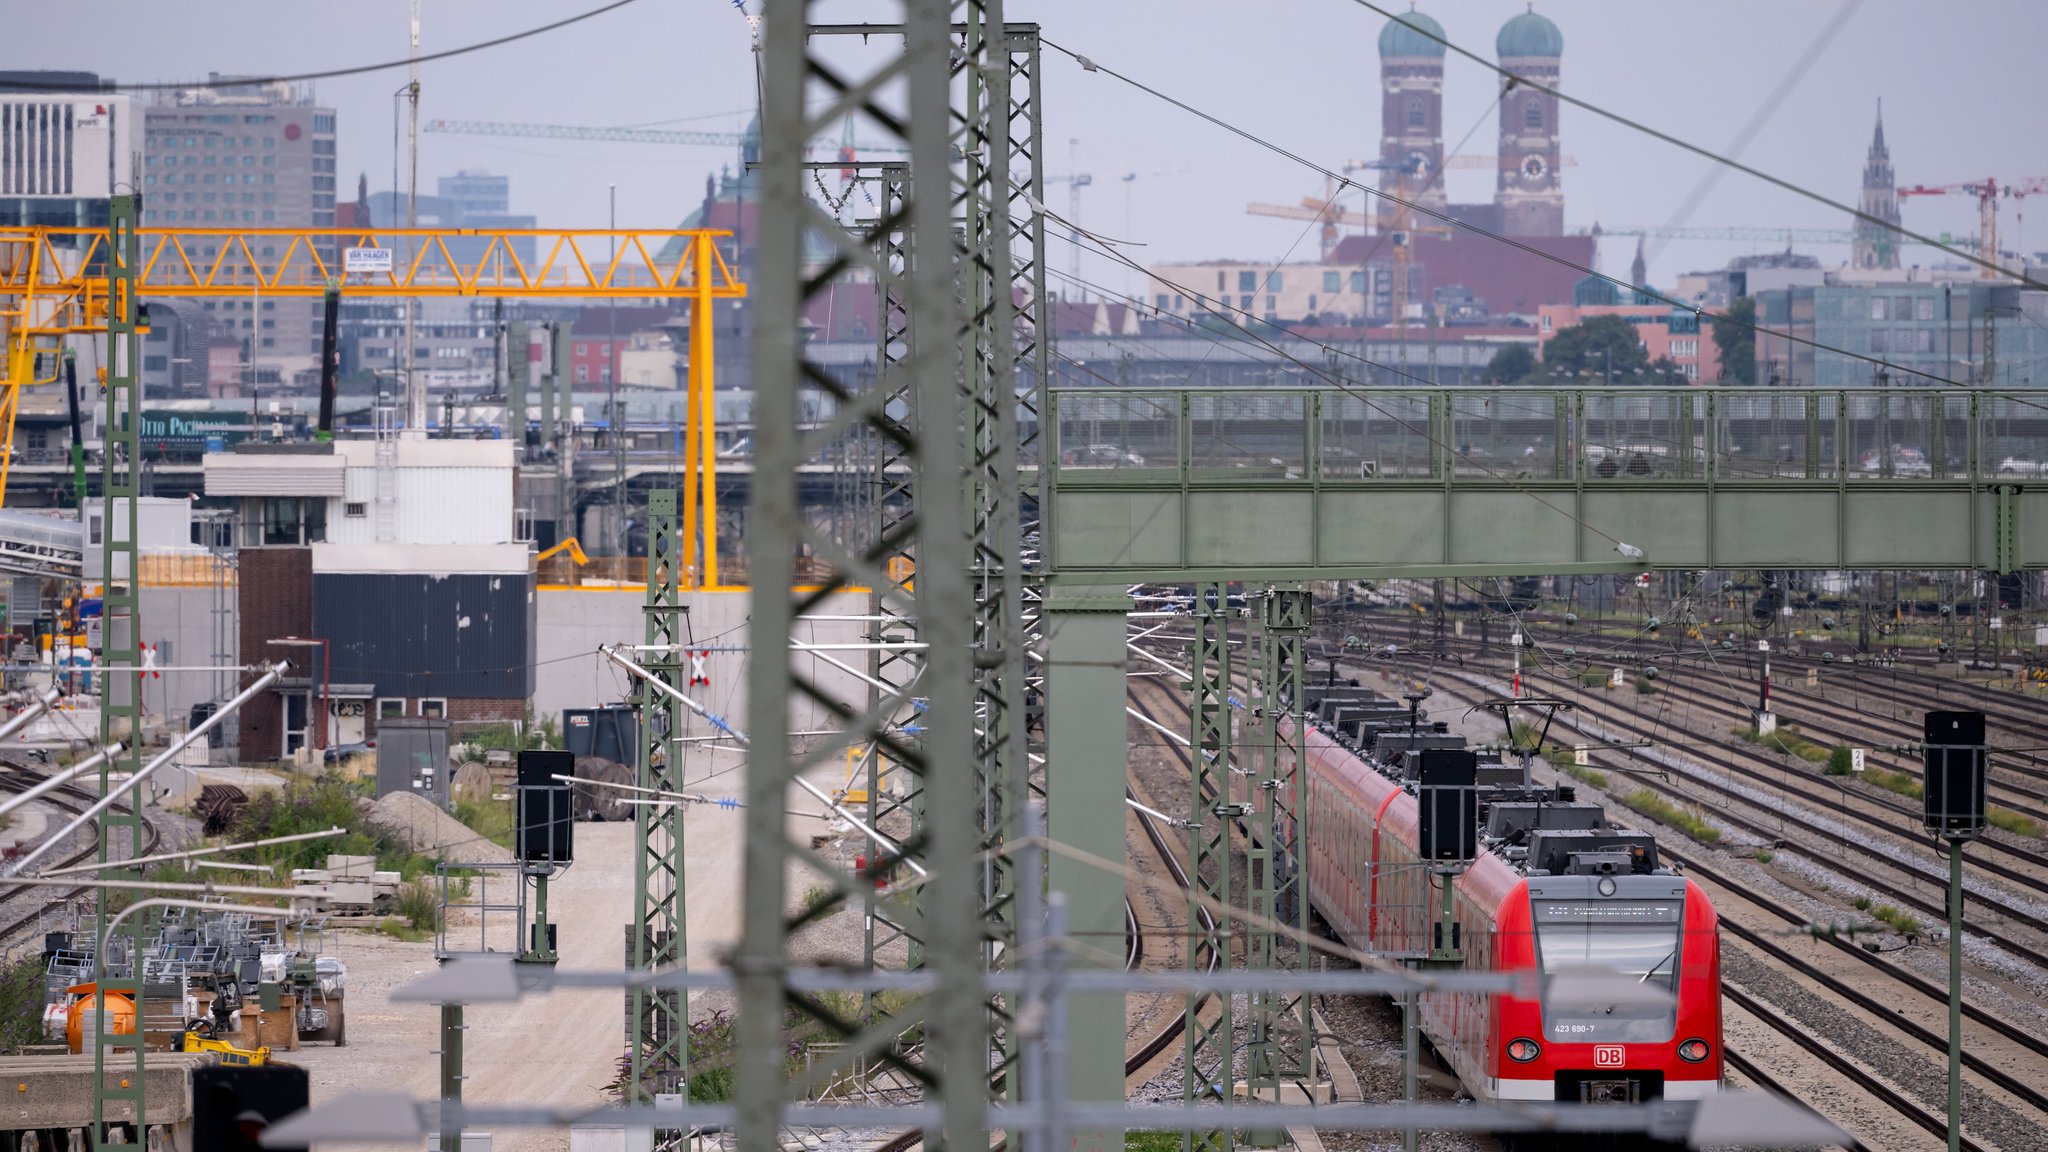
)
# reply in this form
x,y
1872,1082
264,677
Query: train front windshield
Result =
x,y
1639,939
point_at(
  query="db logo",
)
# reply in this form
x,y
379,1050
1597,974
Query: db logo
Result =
x,y
1609,1056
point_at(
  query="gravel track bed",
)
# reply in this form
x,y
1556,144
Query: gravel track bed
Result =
x,y
1687,695
1825,896
2015,986
1923,1079
1368,1030
1933,876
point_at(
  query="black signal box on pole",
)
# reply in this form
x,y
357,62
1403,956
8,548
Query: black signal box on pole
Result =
x,y
1954,759
222,1095
546,816
1448,792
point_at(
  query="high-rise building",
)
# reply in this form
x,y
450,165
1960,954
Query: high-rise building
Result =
x,y
1875,245
468,199
1411,114
65,147
477,193
233,156
1528,198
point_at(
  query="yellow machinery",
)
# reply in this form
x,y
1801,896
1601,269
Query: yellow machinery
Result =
x,y
196,1041
53,284
569,545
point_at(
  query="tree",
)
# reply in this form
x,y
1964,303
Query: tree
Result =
x,y
1736,338
1599,345
1512,363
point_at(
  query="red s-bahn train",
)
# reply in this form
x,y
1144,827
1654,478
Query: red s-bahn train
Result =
x,y
1551,886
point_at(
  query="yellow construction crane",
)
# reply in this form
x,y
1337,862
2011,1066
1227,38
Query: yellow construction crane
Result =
x,y
1988,192
53,284
1325,208
1404,226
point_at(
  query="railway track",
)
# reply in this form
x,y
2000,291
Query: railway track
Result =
x,y
16,778
1839,724
1161,1039
1841,1065
2009,712
1847,1069
1636,723
1932,1043
1926,989
1812,790
1770,1083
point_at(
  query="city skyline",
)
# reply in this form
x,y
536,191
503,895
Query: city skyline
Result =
x,y
1193,180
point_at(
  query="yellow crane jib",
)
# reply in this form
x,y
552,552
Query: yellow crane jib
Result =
x,y
53,284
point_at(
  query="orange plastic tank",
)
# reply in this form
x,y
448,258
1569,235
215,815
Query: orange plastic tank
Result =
x,y
120,1009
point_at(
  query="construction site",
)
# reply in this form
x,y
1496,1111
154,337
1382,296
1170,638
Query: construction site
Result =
x,y
820,677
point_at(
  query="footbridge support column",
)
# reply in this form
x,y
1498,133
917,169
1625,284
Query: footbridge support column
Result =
x,y
1087,738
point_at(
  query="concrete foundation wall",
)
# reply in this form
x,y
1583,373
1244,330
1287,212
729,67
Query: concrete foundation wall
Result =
x,y
573,622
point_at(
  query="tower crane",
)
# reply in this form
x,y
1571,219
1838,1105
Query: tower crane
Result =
x,y
1076,180
1988,192
1325,208
1404,225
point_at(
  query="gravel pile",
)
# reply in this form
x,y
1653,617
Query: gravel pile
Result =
x,y
426,829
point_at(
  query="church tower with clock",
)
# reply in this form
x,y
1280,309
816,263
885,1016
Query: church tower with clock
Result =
x,y
1528,197
1411,116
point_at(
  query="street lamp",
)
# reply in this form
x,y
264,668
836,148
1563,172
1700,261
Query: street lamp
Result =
x,y
326,650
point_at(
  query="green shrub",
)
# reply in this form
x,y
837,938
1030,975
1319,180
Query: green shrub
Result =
x,y
1657,808
315,804
420,905
1786,738
398,929
1643,686
712,1042
1149,1141
2011,821
1765,855
1896,919
1841,761
1904,784
491,819
1862,903
21,1002
1590,777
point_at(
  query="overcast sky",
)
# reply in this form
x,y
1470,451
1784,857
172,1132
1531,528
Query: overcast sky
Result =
x,y
1957,81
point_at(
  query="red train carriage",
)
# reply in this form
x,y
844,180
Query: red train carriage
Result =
x,y
1549,889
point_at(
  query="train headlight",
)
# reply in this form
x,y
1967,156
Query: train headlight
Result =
x,y
1693,1051
1606,886
1524,1050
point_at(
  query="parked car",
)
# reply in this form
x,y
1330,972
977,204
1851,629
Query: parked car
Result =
x,y
341,752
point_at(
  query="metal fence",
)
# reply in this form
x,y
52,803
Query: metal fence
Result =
x,y
1590,435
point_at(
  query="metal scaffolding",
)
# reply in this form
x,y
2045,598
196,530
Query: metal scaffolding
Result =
x,y
1280,1036
121,833
895,794
945,560
660,1019
1208,1070
956,1031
